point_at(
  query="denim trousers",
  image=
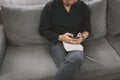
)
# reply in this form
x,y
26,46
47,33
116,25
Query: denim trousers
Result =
x,y
67,62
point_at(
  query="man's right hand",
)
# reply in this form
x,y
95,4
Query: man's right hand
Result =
x,y
67,37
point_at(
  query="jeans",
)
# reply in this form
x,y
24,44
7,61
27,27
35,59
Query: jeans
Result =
x,y
67,62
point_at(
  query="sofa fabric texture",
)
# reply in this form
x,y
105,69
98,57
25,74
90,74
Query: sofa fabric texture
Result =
x,y
113,18
24,2
35,62
101,61
115,42
2,44
21,24
98,18
28,63
27,56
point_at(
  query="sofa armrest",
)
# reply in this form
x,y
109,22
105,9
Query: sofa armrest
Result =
x,y
2,44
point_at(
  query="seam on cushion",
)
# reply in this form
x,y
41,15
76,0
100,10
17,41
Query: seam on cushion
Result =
x,y
112,46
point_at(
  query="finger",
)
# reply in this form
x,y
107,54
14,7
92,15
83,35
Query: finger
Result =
x,y
79,39
76,41
69,34
68,38
79,34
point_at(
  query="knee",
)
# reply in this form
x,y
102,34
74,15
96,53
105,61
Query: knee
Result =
x,y
75,56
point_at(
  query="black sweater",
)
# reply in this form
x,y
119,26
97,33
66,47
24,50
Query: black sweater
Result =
x,y
55,20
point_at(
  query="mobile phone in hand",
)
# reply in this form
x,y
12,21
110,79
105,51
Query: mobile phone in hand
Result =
x,y
76,37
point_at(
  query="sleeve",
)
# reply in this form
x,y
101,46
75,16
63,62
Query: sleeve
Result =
x,y
86,25
45,24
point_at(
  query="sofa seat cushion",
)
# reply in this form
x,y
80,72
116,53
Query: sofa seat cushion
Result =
x,y
101,61
115,42
28,63
34,62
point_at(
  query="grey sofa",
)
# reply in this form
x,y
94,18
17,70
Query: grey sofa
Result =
x,y
24,54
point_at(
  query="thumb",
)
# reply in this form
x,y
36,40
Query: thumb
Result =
x,y
79,34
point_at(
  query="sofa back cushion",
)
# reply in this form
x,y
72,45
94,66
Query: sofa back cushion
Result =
x,y
113,17
0,17
22,24
21,2
0,12
24,2
98,18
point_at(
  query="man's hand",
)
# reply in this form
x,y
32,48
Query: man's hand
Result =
x,y
78,39
67,37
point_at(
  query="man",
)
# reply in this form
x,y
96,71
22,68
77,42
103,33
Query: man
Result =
x,y
65,21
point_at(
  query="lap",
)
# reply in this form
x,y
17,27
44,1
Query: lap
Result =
x,y
59,54
57,48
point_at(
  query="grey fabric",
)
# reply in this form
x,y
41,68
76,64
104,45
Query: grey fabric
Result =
x,y
2,44
28,63
0,17
113,17
0,1
22,24
0,13
115,42
101,61
24,2
98,18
